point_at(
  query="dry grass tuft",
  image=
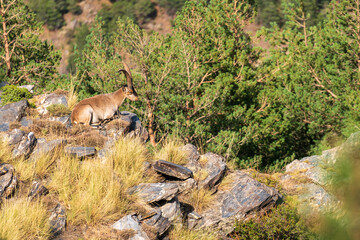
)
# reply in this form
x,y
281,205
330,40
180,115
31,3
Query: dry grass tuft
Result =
x,y
180,233
14,125
170,152
89,139
21,219
58,110
46,128
199,198
72,97
60,92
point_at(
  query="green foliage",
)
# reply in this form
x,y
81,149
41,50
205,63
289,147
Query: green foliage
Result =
x,y
282,222
25,59
78,44
171,6
58,110
13,93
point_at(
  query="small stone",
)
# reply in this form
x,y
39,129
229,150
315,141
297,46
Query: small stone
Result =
x,y
37,190
8,180
172,169
57,219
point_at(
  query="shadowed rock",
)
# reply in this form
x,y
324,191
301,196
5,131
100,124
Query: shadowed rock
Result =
x,y
154,192
172,169
157,221
171,209
192,156
8,180
81,152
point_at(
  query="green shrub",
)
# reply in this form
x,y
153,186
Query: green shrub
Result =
x,y
13,93
282,222
58,110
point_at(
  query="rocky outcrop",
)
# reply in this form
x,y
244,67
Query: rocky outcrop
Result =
x,y
12,112
49,99
8,180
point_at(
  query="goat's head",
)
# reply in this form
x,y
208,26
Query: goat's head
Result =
x,y
129,90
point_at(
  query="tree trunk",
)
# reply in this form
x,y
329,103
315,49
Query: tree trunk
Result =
x,y
6,42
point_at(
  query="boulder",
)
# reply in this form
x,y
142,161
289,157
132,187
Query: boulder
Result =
x,y
8,180
172,170
135,127
154,192
81,152
131,222
57,219
12,112
244,195
15,136
192,156
214,170
26,146
49,99
158,222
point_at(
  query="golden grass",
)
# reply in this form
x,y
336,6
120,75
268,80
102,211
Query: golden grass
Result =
x,y
21,219
170,152
58,110
72,97
180,233
199,198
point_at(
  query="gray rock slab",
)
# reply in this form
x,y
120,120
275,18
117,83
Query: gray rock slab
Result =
x,y
15,136
172,170
13,111
193,219
244,196
131,222
26,122
81,152
8,180
157,221
192,156
154,192
4,127
50,99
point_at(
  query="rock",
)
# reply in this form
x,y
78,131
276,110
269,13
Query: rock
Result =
x,y
50,99
131,222
157,221
28,87
4,127
193,219
8,180
136,129
214,168
37,190
26,146
26,122
172,169
57,219
244,196
186,185
193,156
12,112
15,137
171,209
81,152
154,192
47,147
65,120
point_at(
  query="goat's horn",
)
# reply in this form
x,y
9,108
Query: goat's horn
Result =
x,y
127,73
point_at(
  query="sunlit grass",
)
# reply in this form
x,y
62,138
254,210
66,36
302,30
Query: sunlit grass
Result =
x,y
170,151
21,219
181,233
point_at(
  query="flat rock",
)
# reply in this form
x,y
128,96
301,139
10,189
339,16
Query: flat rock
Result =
x,y
13,112
244,196
185,186
57,219
8,180
15,136
172,170
81,152
26,146
131,222
154,192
